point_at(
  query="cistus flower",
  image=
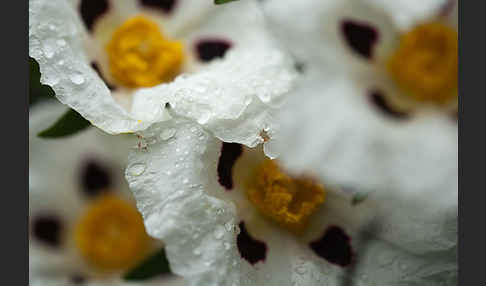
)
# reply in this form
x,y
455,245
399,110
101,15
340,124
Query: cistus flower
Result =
x,y
84,226
96,54
376,106
230,215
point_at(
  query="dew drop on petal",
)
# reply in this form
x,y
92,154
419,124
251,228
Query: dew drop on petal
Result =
x,y
167,134
229,226
204,118
300,270
219,232
136,169
61,42
77,79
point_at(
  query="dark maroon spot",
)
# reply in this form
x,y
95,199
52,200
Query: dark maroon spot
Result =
x,y
299,67
91,10
334,246
447,8
78,279
229,154
47,228
165,5
379,100
360,37
250,249
210,49
95,179
95,66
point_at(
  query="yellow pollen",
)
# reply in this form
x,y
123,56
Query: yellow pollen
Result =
x,y
111,235
288,201
425,64
140,56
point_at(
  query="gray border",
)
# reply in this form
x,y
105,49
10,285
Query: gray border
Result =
x,y
471,140
14,118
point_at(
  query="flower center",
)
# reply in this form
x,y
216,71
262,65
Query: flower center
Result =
x,y
288,201
425,64
111,234
140,56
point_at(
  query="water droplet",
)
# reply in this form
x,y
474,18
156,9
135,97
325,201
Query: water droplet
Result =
x,y
61,42
136,169
77,79
197,252
219,232
204,118
167,134
219,211
227,245
300,270
48,51
385,259
185,181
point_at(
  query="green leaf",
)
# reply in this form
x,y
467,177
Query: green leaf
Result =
x,y
156,264
219,2
37,91
69,123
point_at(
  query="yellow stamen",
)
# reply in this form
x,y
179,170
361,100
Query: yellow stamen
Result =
x,y
425,64
111,234
140,56
288,201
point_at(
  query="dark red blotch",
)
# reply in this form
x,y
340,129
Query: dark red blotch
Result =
x,y
209,49
47,228
95,179
379,100
166,6
91,10
250,249
360,37
334,246
230,152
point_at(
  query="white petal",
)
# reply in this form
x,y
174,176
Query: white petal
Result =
x,y
56,40
407,13
182,203
233,97
317,39
174,182
330,128
241,24
37,279
394,240
55,167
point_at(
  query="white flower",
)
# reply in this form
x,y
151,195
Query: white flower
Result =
x,y
376,107
76,193
226,219
134,45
